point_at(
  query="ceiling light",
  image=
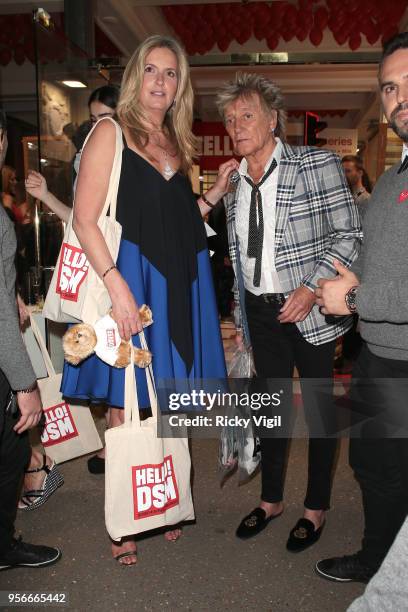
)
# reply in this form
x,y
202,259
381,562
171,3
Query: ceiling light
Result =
x,y
75,84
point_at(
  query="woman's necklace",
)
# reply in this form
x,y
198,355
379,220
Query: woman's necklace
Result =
x,y
168,171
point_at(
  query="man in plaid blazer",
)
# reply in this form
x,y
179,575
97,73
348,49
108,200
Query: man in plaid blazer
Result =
x,y
290,215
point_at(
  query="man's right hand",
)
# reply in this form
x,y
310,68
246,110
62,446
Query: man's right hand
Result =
x,y
31,410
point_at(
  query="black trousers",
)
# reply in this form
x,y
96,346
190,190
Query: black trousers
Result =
x,y
352,341
379,458
14,456
277,348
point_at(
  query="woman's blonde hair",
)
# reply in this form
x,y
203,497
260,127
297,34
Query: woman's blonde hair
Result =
x,y
179,117
245,85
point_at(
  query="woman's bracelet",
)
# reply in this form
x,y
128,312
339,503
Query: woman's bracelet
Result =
x,y
204,199
113,267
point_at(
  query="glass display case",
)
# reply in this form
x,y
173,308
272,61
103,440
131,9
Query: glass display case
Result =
x,y
65,76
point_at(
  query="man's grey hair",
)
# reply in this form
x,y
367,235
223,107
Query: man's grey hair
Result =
x,y
244,86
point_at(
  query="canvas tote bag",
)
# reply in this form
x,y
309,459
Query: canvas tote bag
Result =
x,y
76,292
69,430
147,479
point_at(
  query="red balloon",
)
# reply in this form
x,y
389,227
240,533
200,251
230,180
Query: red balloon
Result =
x,y
334,4
259,33
287,33
182,12
321,17
341,15
290,15
277,11
348,28
305,20
272,42
389,33
332,22
316,36
373,35
355,41
305,4
340,37
262,15
367,27
223,44
301,34
5,56
244,36
168,11
213,21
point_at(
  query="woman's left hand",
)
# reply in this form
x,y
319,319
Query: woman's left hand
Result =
x,y
222,184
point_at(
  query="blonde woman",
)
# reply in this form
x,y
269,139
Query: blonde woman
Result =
x,y
163,259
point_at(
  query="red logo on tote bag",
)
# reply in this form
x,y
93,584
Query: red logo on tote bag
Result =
x,y
73,268
154,488
59,425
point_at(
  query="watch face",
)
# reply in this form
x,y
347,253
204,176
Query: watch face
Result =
x,y
351,299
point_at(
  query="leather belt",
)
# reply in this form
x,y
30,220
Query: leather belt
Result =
x,y
270,298
273,298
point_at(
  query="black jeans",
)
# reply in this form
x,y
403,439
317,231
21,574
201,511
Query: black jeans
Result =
x,y
14,456
277,348
380,460
352,341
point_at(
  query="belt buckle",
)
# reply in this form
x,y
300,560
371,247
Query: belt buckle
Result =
x,y
274,298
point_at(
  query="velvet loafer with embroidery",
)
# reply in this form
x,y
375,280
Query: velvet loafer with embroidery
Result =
x,y
303,535
254,523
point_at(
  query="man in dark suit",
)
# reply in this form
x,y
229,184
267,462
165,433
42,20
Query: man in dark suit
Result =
x,y
20,403
291,214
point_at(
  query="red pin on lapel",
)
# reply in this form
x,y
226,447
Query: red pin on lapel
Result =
x,y
403,196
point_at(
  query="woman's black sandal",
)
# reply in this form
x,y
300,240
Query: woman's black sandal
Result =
x,y
30,500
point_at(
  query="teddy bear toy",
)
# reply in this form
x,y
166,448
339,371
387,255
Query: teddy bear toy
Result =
x,y
103,339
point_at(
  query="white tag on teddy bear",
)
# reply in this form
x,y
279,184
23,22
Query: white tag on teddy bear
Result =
x,y
108,339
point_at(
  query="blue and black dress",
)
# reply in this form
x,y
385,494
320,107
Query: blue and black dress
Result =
x,y
164,259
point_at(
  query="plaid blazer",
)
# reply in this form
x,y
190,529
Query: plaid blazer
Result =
x,y
316,221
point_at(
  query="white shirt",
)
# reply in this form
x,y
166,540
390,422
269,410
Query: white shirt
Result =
x,y
404,151
269,277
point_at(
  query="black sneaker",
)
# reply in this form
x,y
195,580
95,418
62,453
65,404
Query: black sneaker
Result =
x,y
344,569
21,554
